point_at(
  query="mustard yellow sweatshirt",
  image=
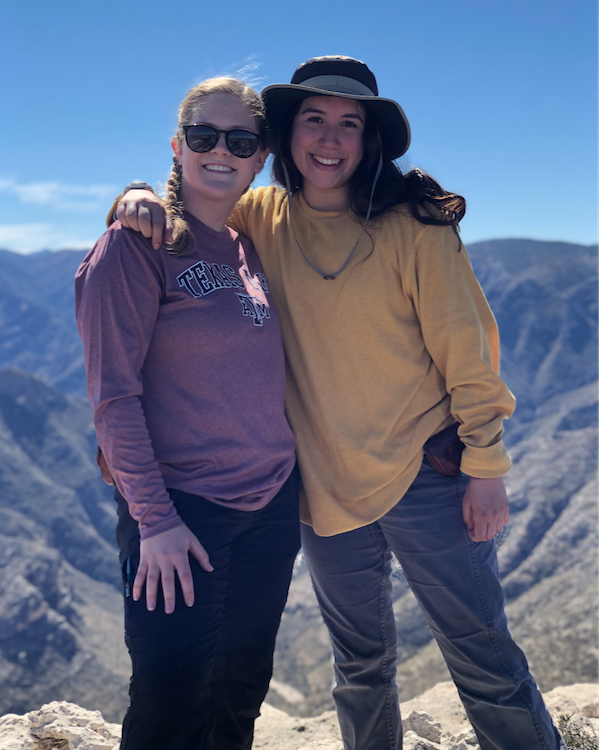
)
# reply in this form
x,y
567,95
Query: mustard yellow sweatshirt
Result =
x,y
399,346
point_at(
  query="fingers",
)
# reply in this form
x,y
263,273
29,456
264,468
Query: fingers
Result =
x,y
152,578
201,555
482,531
140,578
168,234
164,555
167,576
143,212
151,221
467,513
156,217
187,582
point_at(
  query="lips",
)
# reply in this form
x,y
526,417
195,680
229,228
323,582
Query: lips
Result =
x,y
326,162
218,168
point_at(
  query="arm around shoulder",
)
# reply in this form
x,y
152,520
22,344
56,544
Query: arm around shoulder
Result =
x,y
143,211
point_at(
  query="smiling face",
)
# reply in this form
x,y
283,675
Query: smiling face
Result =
x,y
327,147
216,176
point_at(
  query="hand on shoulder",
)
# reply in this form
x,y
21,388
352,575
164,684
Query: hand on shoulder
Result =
x,y
143,211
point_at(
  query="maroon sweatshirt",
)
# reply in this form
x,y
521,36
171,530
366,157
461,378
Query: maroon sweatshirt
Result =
x,y
185,372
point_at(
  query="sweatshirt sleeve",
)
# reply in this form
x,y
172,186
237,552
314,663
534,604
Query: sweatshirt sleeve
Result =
x,y
461,335
240,218
118,289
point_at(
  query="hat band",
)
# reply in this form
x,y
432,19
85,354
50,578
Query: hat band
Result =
x,y
338,85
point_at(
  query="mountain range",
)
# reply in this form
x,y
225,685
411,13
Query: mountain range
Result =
x,y
60,606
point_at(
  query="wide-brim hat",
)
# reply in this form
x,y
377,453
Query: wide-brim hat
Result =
x,y
347,78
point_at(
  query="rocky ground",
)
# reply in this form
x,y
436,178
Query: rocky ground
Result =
x,y
434,721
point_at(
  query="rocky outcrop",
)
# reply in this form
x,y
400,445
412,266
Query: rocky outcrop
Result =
x,y
434,721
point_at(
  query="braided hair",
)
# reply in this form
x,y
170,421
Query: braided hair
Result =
x,y
183,239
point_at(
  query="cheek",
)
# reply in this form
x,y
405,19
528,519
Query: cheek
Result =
x,y
299,141
356,149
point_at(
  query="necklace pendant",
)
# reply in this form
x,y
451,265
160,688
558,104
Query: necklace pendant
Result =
x,y
329,278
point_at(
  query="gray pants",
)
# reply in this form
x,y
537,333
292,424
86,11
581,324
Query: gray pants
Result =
x,y
456,583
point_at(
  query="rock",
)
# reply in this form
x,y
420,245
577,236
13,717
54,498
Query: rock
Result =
x,y
464,740
64,726
423,725
412,741
566,699
275,730
443,704
60,726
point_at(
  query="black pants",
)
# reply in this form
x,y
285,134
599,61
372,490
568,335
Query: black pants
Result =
x,y
201,673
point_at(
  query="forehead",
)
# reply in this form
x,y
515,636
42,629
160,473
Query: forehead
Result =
x,y
225,110
333,105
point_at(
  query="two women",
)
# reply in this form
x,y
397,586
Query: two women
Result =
x,y
186,378
391,349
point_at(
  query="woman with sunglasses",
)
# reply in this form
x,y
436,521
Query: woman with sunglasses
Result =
x,y
186,378
395,401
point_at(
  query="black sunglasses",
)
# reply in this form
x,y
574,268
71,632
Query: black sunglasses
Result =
x,y
202,138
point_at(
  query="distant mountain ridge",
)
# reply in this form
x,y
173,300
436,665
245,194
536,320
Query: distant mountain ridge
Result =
x,y
551,283
37,319
60,605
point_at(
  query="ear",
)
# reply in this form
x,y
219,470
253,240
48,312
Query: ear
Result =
x,y
177,147
260,161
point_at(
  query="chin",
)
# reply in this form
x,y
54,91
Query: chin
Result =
x,y
218,191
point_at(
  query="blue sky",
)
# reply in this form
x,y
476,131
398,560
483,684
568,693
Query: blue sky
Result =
x,y
501,97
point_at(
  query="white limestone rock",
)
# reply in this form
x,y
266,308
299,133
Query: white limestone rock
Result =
x,y
61,726
443,705
423,725
434,721
275,730
412,741
464,740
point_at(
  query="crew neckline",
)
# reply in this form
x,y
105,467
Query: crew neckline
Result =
x,y
224,237
313,213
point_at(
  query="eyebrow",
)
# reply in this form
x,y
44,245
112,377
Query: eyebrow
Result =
x,y
353,115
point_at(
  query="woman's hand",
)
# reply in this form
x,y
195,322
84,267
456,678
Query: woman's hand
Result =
x,y
163,555
485,508
144,212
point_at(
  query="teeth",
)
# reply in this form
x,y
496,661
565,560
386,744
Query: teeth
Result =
x,y
218,168
327,162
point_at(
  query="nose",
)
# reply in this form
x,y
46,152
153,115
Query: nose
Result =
x,y
330,136
221,145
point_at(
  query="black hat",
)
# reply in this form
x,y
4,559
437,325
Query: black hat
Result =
x,y
347,78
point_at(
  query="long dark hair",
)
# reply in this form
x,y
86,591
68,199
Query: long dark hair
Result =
x,y
426,199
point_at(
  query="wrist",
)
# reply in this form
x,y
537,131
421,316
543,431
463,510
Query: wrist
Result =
x,y
138,186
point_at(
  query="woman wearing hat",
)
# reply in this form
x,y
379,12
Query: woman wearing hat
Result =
x,y
391,349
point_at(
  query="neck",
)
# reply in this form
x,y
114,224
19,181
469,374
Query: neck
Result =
x,y
332,199
210,211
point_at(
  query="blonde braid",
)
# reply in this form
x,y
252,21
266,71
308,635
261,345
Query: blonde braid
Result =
x,y
183,239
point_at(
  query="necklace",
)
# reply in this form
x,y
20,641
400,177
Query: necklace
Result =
x,y
316,269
